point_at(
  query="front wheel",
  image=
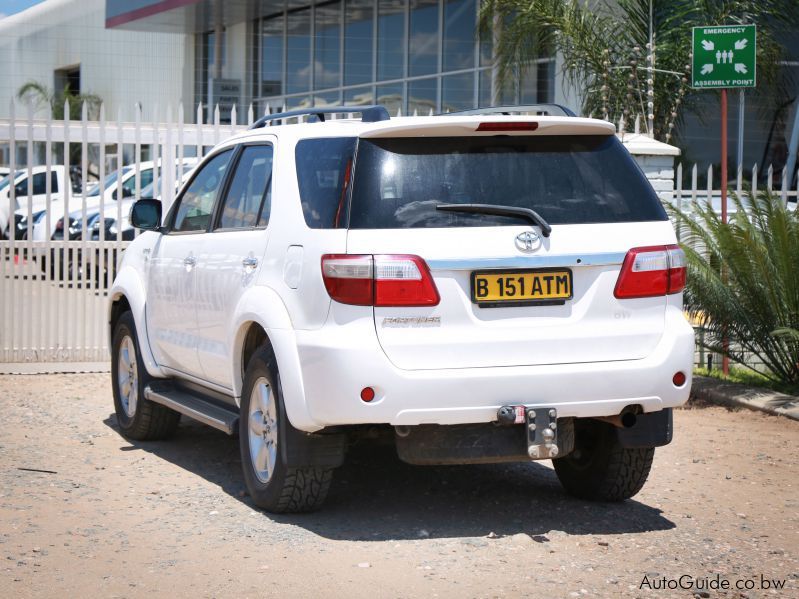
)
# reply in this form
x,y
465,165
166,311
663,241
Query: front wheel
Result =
x,y
263,430
599,468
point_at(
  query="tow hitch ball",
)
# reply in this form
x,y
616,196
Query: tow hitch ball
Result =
x,y
542,428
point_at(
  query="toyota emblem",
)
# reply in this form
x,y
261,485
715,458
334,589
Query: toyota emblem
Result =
x,y
528,241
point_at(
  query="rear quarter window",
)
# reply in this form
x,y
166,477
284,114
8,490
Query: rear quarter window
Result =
x,y
323,174
569,179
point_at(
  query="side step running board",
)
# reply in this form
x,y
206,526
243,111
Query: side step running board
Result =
x,y
193,406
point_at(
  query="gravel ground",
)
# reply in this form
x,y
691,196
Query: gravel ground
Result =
x,y
123,519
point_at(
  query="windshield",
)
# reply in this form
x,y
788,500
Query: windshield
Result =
x,y
567,179
109,181
7,179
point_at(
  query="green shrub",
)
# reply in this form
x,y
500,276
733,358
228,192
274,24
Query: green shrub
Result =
x,y
743,280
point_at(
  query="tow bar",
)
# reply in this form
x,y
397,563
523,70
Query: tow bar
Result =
x,y
542,428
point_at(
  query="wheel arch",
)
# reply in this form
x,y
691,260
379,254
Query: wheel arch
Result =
x,y
261,318
128,293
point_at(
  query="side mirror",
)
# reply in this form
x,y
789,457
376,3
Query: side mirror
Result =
x,y
146,215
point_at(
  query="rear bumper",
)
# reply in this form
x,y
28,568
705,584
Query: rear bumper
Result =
x,y
339,360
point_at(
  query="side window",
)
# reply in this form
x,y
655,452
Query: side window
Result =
x,y
129,186
39,184
247,203
323,174
53,182
197,202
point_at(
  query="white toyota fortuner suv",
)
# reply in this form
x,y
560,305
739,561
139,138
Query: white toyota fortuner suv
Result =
x,y
482,286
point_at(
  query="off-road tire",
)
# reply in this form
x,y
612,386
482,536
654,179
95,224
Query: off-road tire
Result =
x,y
150,421
599,468
288,489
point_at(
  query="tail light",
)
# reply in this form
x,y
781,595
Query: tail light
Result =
x,y
651,271
379,280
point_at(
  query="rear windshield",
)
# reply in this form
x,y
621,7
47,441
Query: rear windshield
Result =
x,y
577,179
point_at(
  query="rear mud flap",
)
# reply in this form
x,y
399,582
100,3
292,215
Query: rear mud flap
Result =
x,y
650,430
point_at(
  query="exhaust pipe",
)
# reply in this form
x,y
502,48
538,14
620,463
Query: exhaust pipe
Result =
x,y
626,419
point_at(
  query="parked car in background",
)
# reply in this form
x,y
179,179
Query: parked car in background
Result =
x,y
59,180
76,268
72,228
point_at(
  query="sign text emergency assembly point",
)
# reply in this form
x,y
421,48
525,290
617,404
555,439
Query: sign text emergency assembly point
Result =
x,y
723,56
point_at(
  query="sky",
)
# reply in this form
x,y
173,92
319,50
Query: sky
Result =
x,y
9,7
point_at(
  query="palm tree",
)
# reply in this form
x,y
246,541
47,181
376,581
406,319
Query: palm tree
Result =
x,y
624,54
40,94
742,280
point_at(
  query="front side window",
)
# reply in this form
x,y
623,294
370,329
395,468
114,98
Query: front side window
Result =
x,y
248,200
197,203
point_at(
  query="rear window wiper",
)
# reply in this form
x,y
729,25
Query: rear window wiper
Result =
x,y
526,213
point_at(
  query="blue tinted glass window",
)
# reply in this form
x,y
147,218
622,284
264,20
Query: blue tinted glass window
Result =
x,y
390,39
459,29
390,96
423,96
327,62
327,99
359,96
423,43
298,51
457,92
272,57
358,37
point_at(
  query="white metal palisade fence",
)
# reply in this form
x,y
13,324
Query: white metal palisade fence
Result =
x,y
53,292
55,314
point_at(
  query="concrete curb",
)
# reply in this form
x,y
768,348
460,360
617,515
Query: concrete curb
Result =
x,y
741,396
54,367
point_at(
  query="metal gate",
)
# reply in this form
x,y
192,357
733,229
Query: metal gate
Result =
x,y
54,283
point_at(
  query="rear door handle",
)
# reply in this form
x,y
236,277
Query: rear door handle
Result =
x,y
190,261
249,262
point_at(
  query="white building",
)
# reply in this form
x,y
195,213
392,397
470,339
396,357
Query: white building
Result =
x,y
58,42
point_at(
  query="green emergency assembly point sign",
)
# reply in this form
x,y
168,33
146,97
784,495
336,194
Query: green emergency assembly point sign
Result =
x,y
723,56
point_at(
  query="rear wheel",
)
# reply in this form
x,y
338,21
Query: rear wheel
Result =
x,y
599,468
138,418
263,430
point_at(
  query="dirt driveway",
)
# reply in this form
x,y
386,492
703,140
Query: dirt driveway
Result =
x,y
171,518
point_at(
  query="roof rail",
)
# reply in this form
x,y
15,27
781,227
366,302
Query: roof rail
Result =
x,y
369,114
538,109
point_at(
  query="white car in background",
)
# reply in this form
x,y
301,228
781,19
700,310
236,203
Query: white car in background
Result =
x,y
72,229
59,182
113,209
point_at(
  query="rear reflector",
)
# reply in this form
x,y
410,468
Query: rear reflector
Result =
x,y
507,126
380,280
651,271
679,379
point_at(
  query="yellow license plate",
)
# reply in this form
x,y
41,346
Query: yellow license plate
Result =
x,y
522,287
